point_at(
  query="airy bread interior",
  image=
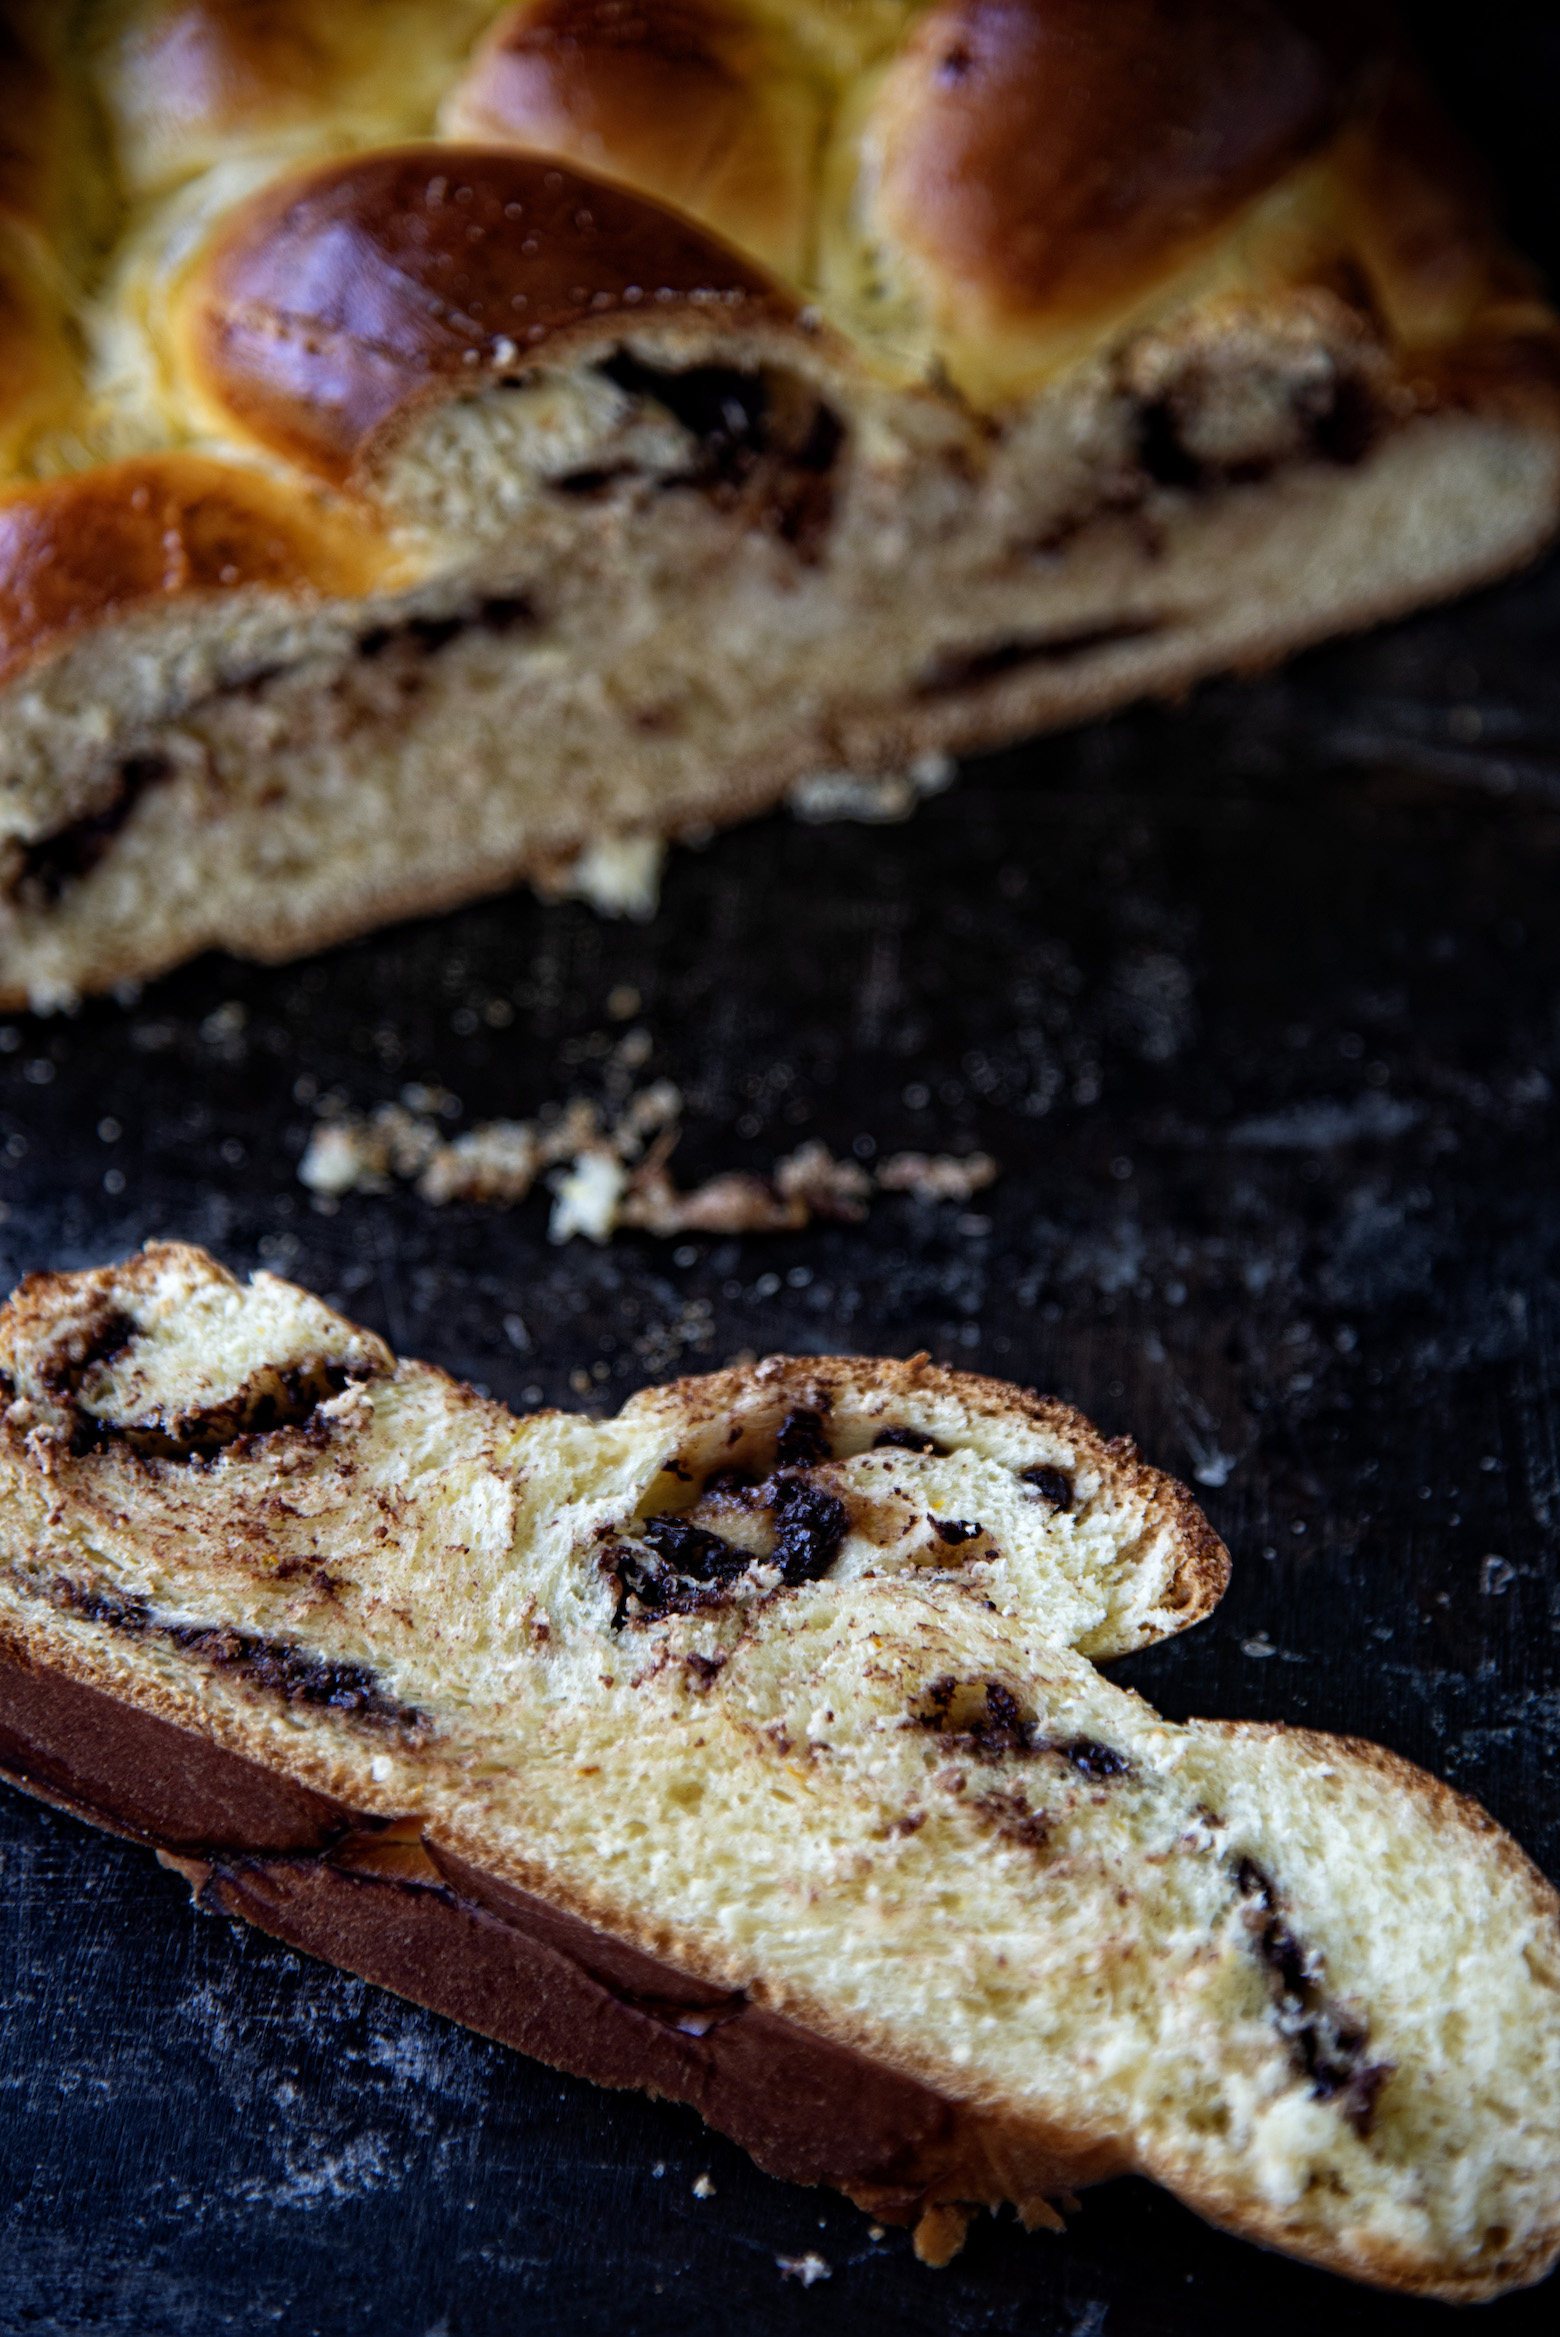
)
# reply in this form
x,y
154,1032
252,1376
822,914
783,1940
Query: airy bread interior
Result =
x,y
782,1677
449,444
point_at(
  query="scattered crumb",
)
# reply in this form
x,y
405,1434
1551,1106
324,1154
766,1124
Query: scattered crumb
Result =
x,y
587,1198
875,2231
928,1176
612,1163
806,2268
496,1163
734,1203
825,1186
620,876
876,798
703,2188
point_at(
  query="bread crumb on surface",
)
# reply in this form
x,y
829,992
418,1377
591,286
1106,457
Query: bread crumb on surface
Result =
x,y
611,1170
806,2268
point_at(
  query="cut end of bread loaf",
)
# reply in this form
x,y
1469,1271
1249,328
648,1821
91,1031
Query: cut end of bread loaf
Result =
x,y
747,1747
546,431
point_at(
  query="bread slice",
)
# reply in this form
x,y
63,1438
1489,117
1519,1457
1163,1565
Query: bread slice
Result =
x,y
747,1747
444,443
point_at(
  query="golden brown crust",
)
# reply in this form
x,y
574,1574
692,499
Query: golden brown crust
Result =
x,y
339,304
687,100
1052,157
106,543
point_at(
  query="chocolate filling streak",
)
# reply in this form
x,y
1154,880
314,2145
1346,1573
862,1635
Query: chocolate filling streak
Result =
x,y
768,447
672,1565
1329,2045
379,1900
687,1567
964,668
37,876
273,1400
1341,427
270,1665
40,874
984,1720
426,636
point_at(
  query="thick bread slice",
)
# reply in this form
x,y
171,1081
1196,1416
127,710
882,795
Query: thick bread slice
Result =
x,y
728,1749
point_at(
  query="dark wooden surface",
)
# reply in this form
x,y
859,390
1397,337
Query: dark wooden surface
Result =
x,y
1259,1003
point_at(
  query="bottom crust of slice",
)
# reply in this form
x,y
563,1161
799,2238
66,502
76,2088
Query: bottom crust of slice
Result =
x,y
379,1900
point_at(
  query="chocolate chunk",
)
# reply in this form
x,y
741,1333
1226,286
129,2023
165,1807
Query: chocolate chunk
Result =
x,y
685,1568
802,1443
1092,1759
695,1553
955,1530
910,1440
981,1719
1053,1486
809,1527
728,1483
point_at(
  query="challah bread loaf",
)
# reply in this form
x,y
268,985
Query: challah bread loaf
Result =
x,y
446,443
744,1747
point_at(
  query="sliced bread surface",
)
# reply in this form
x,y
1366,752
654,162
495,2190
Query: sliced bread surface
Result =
x,y
747,1746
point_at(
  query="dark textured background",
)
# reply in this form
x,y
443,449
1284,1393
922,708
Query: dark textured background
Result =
x,y
1259,1003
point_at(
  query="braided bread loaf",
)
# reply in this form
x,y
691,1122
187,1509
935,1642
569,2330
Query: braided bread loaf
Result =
x,y
443,443
748,1747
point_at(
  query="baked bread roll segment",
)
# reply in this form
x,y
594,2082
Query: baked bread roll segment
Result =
x,y
747,1747
444,444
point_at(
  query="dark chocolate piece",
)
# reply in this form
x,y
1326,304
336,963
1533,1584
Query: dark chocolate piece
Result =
x,y
910,1440
809,1528
954,1530
1090,1758
802,1442
1052,1485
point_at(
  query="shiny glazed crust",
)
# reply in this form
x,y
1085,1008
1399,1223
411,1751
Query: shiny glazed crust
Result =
x,y
1151,340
